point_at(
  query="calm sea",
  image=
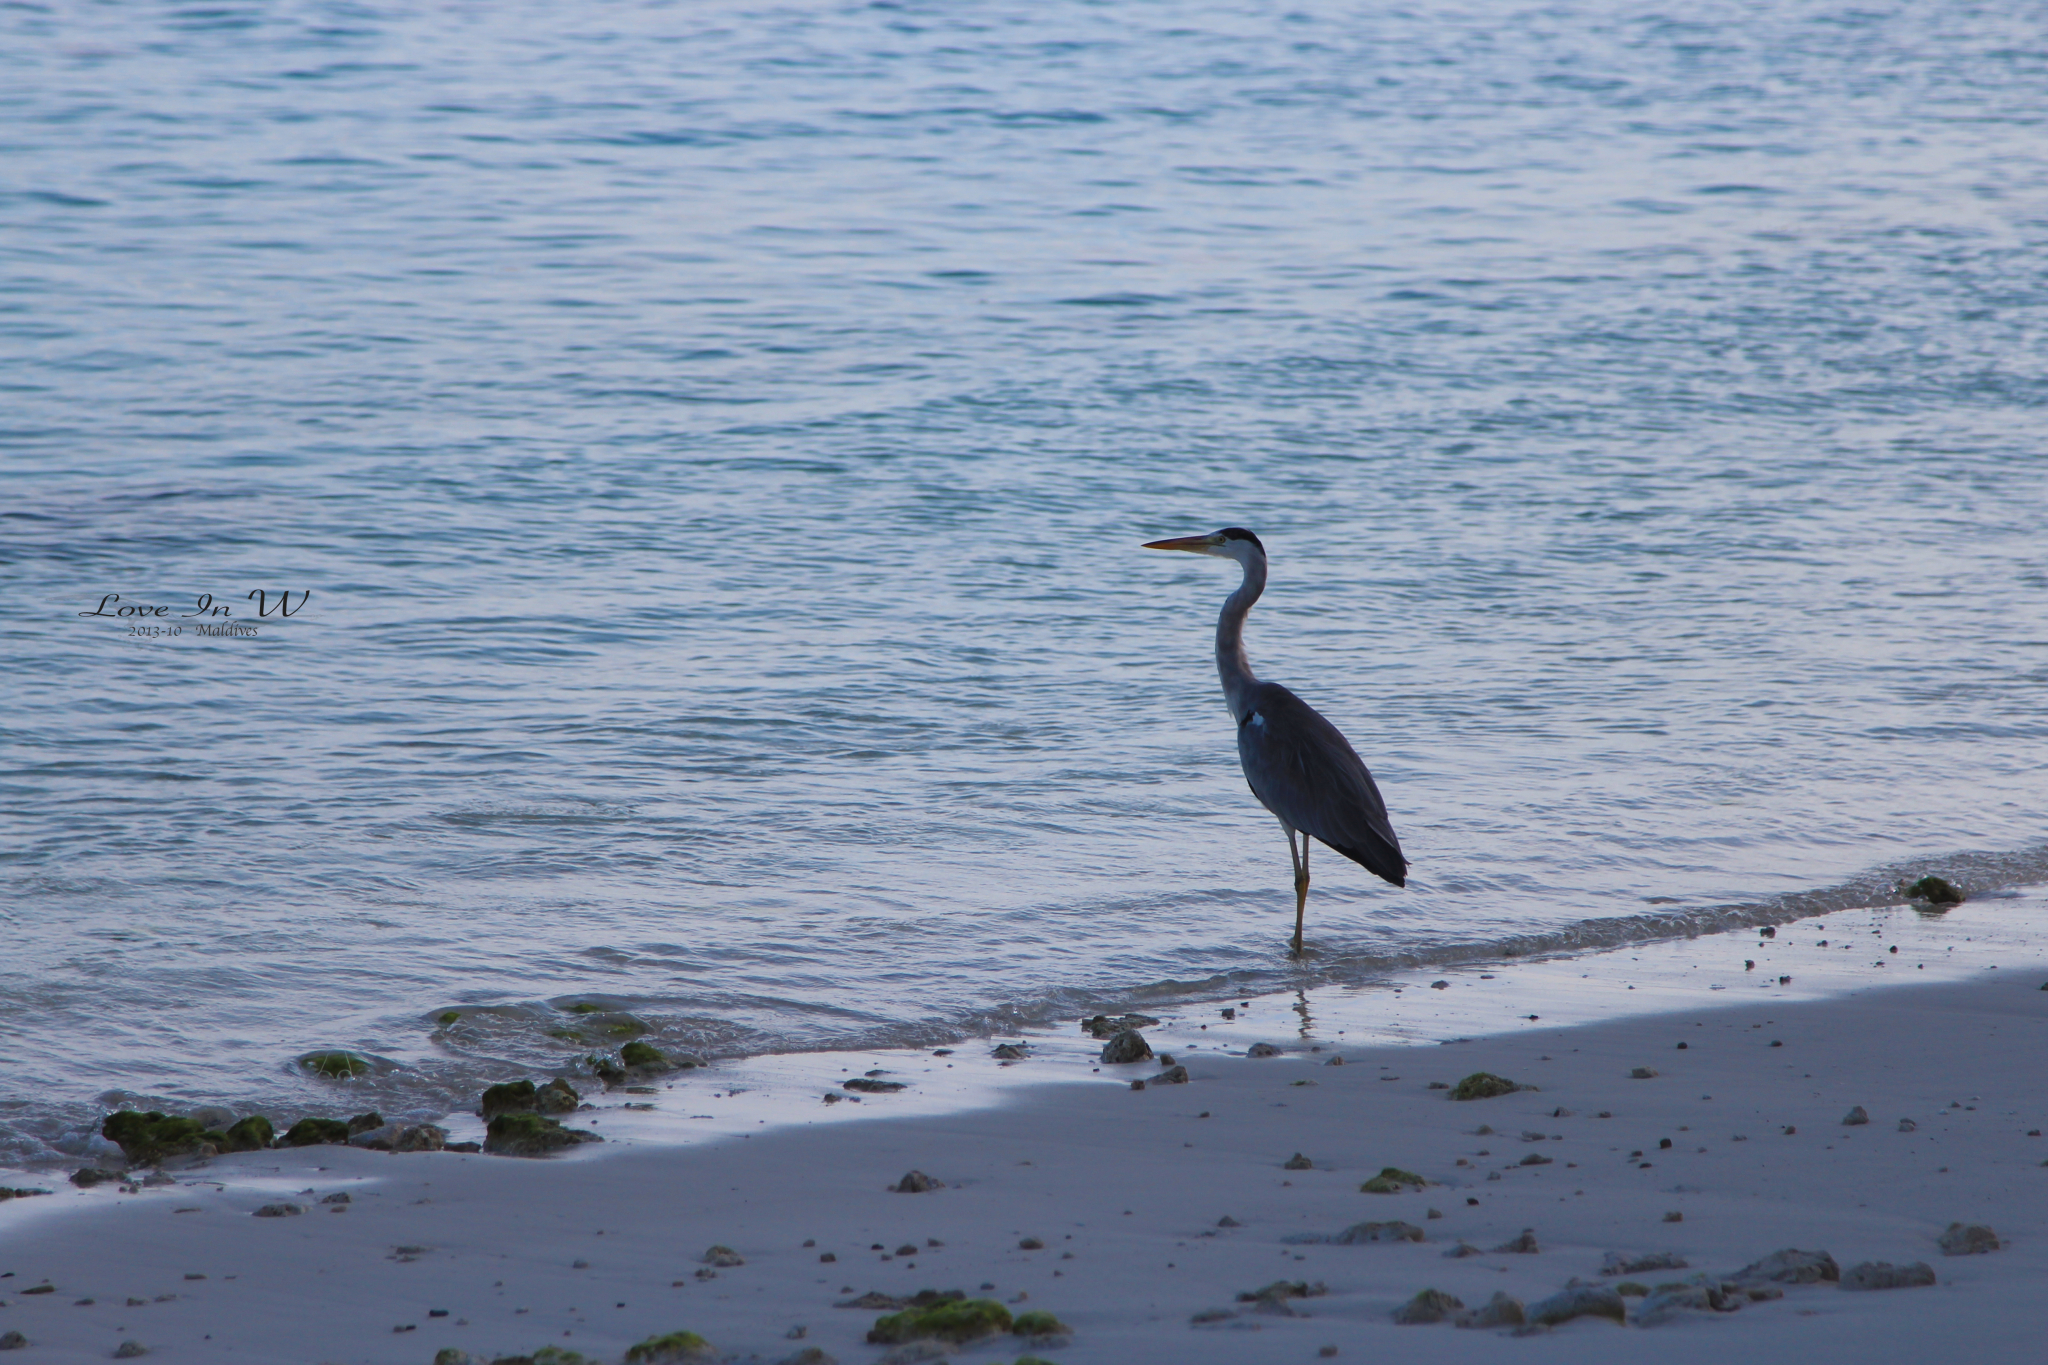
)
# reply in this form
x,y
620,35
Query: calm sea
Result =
x,y
704,448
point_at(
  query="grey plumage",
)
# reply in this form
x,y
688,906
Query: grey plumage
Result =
x,y
1298,764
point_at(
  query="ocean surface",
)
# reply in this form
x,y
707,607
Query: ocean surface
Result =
x,y
704,450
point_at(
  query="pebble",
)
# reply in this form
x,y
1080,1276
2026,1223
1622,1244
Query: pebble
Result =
x,y
1643,1073
1431,1305
724,1257
128,1350
1618,1263
1791,1266
1974,1239
1262,1050
1578,1301
279,1211
1524,1245
917,1182
12,1341
1855,1118
1885,1275
1297,1162
1498,1311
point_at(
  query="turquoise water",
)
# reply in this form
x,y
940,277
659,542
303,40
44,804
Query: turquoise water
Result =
x,y
707,448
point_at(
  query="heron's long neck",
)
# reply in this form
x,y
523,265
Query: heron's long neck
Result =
x,y
1231,663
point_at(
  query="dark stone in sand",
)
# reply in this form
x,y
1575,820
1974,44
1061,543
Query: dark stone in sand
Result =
x,y
363,1123
1935,891
1173,1075
1483,1085
1393,1230
869,1086
7,1193
1578,1301
1673,1300
1498,1311
1855,1118
1109,1025
955,1320
1524,1245
1431,1305
85,1177
1974,1239
724,1257
1619,1263
1010,1052
1128,1045
280,1211
1885,1275
1281,1290
313,1132
917,1182
12,1341
1791,1266
531,1135
400,1137
1262,1050
1297,1162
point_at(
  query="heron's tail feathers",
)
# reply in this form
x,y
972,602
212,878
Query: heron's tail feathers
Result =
x,y
1380,857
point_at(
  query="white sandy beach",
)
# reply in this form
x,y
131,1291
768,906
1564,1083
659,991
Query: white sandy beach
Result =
x,y
1126,1189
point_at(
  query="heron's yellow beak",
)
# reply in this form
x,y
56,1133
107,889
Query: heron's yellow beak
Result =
x,y
1192,544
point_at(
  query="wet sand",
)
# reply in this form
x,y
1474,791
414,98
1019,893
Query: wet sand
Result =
x,y
1126,1188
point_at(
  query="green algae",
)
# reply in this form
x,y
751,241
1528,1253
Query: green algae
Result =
x,y
251,1134
1040,1324
674,1347
152,1136
1484,1085
956,1320
1935,891
448,1017
313,1132
584,1007
509,1097
1392,1180
637,1053
335,1066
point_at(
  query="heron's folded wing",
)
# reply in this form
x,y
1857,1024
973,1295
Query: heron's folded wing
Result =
x,y
1303,770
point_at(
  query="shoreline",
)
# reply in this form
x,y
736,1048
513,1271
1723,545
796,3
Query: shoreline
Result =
x,y
1048,1150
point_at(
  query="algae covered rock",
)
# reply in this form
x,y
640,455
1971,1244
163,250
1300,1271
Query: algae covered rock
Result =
x,y
313,1132
1578,1301
1039,1325
917,1182
954,1320
725,1257
1392,1180
674,1348
363,1123
868,1085
1431,1305
85,1177
531,1135
510,1097
1885,1275
148,1138
1483,1085
1935,891
643,1057
1127,1046
336,1065
251,1134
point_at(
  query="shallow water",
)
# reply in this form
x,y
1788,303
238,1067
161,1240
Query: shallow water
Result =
x,y
715,440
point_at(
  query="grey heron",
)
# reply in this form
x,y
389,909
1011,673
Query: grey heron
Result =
x,y
1298,764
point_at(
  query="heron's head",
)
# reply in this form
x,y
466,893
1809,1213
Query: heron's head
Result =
x,y
1232,542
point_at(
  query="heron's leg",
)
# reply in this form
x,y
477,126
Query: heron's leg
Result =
x,y
1300,861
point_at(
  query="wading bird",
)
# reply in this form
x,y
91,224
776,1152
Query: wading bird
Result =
x,y
1298,764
